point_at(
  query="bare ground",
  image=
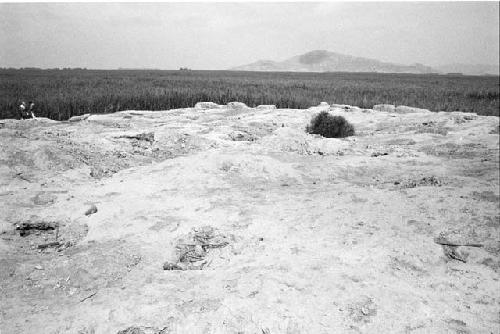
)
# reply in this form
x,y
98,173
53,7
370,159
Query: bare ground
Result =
x,y
313,235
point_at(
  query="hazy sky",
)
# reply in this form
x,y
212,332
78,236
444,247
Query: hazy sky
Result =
x,y
223,35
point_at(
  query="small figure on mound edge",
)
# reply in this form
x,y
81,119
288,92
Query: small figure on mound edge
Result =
x,y
27,110
32,109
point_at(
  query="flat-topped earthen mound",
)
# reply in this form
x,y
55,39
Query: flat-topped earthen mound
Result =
x,y
230,219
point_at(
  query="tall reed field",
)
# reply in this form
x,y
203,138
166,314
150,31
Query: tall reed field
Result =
x,y
60,94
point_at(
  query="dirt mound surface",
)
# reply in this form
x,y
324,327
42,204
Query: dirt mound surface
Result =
x,y
230,219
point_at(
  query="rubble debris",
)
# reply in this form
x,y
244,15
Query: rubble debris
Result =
x,y
242,136
425,181
487,196
144,330
444,239
171,266
23,177
236,105
44,198
452,252
99,172
410,110
145,136
49,244
192,252
361,310
91,210
79,118
207,105
451,240
26,228
266,106
88,297
432,129
384,107
377,154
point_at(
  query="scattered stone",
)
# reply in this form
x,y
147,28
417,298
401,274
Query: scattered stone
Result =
x,y
26,228
207,105
266,106
438,130
377,154
192,252
237,105
79,118
410,110
171,266
242,136
144,330
44,198
384,107
487,196
50,244
451,252
91,210
145,136
362,310
425,181
455,238
401,141
495,131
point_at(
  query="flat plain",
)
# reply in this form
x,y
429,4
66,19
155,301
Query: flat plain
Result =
x,y
60,94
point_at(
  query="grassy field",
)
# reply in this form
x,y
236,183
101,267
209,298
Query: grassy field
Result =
x,y
60,94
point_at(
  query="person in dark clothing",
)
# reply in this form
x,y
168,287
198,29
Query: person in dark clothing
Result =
x,y
23,110
27,110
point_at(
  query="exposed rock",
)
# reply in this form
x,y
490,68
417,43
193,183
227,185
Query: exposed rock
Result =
x,y
144,330
237,105
242,136
44,198
384,107
193,249
25,228
79,118
409,110
91,210
378,154
362,309
146,136
266,106
207,105
422,182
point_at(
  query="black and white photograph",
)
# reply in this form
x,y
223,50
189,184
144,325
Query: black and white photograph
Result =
x,y
249,167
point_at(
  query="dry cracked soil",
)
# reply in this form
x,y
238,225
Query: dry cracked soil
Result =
x,y
228,219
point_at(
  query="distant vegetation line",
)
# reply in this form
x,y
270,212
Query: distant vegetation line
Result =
x,y
60,94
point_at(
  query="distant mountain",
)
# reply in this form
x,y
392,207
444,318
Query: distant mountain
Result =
x,y
468,69
325,61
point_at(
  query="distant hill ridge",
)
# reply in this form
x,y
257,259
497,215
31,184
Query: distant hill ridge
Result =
x,y
326,61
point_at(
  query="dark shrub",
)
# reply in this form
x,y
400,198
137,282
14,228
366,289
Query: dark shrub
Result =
x,y
330,126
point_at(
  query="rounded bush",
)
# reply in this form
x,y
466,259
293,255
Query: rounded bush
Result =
x,y
330,126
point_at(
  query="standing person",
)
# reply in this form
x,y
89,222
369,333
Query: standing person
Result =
x,y
31,110
22,110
